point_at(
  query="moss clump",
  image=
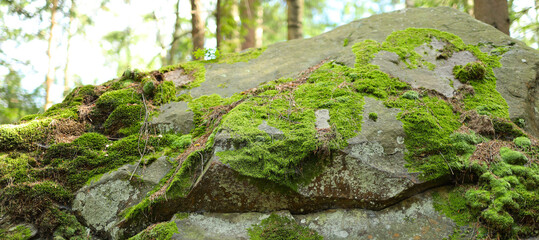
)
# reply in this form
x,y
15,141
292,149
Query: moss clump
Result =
x,y
412,95
125,120
161,231
522,142
165,93
453,204
23,136
373,116
94,141
346,42
243,56
276,227
506,129
112,99
16,168
280,159
474,71
20,232
513,157
148,88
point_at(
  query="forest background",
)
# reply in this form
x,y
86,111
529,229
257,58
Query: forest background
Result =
x,y
48,47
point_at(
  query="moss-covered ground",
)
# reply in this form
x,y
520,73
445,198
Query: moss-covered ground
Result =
x,y
38,172
277,227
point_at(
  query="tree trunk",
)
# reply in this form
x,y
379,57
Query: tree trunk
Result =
x,y
259,25
295,19
249,15
493,12
50,53
173,51
409,3
197,31
67,76
218,25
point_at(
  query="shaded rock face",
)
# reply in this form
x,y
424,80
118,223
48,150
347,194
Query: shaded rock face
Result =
x,y
101,202
414,218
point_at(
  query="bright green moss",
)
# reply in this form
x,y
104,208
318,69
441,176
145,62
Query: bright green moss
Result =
x,y
165,93
16,168
148,88
513,157
453,205
91,140
346,42
112,99
278,158
161,231
522,142
205,105
23,136
19,232
197,70
276,227
125,119
373,116
474,71
412,95
243,56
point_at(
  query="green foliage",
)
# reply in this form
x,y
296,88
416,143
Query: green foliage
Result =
x,y
161,231
23,136
94,141
522,142
243,56
19,232
373,116
474,71
453,205
346,42
281,159
181,142
112,99
125,119
16,168
513,157
276,227
165,93
412,95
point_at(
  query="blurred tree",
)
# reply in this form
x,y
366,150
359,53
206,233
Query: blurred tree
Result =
x,y
251,22
15,102
117,46
51,50
228,26
494,13
197,30
295,18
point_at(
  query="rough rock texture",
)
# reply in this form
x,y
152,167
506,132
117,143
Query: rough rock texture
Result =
x,y
174,117
518,78
100,203
414,218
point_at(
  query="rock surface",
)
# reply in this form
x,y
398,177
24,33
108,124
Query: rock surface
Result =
x,y
517,79
414,218
101,202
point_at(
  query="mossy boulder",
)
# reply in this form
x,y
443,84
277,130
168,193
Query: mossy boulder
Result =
x,y
418,103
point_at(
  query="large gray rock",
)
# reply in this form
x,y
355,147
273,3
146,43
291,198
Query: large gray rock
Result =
x,y
518,78
100,203
414,218
370,172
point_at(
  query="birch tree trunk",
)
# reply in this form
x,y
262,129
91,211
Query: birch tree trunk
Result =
x,y
50,53
67,73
